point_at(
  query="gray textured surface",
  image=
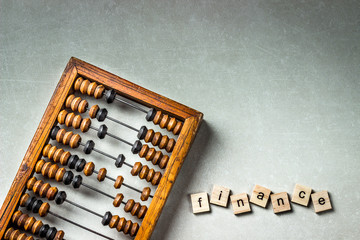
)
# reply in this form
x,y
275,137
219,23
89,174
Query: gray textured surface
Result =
x,y
278,82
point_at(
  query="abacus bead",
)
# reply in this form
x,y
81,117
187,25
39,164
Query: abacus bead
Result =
x,y
15,217
118,199
149,135
157,157
106,218
163,162
99,90
150,154
67,137
75,104
21,221
69,119
157,117
45,168
57,155
170,145
51,193
91,88
144,150
177,128
59,235
60,174
80,164
93,111
69,100
120,226
89,168
51,233
68,177
60,135
39,165
64,158
74,141
51,152
127,227
136,169
37,186
43,230
135,209
52,171
29,238
156,179
22,236
72,161
77,181
150,114
44,209
77,83
141,214
119,181
164,121
60,197
36,206
83,105
14,235
145,194
144,172
62,116
36,227
76,121
163,141
46,150
84,86
150,175
120,160
142,133
114,221
85,124
43,190
89,146
129,205
29,223
171,125
23,199
30,203
8,233
134,229
101,175
30,183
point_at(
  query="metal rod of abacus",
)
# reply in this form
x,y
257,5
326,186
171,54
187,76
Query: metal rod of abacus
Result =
x,y
131,105
83,208
79,225
113,136
122,123
99,191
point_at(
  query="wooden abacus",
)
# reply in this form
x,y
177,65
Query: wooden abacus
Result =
x,y
64,109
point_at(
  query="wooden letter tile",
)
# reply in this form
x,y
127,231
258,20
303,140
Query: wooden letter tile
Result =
x,y
240,203
301,195
220,196
321,201
260,196
200,202
280,202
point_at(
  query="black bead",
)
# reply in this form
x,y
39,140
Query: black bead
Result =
x,y
50,235
120,160
101,114
89,146
68,177
60,197
43,230
77,181
102,131
110,95
136,147
106,218
142,133
80,164
54,131
72,161
150,114
37,205
29,203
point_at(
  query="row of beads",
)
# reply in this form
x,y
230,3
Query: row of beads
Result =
x,y
157,139
35,205
145,173
156,157
13,234
73,120
68,138
121,224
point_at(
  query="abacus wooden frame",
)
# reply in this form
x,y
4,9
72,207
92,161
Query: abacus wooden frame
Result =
x,y
75,68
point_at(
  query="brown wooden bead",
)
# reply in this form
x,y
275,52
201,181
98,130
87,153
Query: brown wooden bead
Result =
x,y
29,223
22,236
60,135
142,212
118,199
85,124
163,142
60,174
30,183
177,128
84,86
91,88
51,152
14,235
134,229
57,155
76,121
136,169
144,150
149,135
129,205
39,165
101,175
120,226
135,209
15,217
156,179
83,105
51,193
46,150
8,233
157,157
23,199
37,186
74,141
127,227
52,171
144,172
69,119
64,158
145,194
119,181
29,238
21,221
59,235
150,175
75,103
157,117
170,145
163,162
114,221
93,111
150,154
36,227
156,139
99,90
89,168
44,209
171,125
69,100
164,121
62,116
43,190
45,168
77,83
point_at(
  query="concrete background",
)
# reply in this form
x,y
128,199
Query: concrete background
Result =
x,y
277,81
